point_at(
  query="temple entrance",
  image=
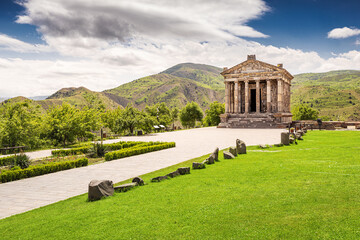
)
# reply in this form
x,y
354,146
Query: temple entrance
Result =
x,y
252,100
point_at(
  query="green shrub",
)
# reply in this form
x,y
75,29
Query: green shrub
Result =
x,y
72,151
20,160
155,146
98,150
6,161
121,145
37,170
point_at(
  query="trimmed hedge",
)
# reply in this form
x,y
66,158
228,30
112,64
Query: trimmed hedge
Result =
x,y
72,151
138,150
10,160
123,144
38,170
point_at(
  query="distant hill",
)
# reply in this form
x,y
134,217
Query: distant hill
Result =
x,y
176,86
335,94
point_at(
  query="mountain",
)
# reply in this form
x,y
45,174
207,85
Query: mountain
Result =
x,y
335,94
176,86
79,97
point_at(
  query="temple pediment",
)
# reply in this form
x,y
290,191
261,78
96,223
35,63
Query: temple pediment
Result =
x,y
254,66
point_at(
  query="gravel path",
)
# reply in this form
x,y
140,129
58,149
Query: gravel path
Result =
x,y
26,194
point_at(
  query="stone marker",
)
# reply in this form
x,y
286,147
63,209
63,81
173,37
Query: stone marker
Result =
x,y
240,147
138,180
216,154
184,170
158,179
232,150
209,160
228,155
99,189
173,174
262,146
125,187
197,165
285,138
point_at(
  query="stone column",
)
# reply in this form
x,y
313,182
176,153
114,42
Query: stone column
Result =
x,y
246,96
258,96
231,95
268,96
280,95
240,100
236,97
289,97
226,97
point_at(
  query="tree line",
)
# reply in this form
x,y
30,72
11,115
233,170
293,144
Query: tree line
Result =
x,y
21,123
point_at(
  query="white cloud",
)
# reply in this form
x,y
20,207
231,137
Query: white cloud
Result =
x,y
344,32
119,41
15,45
357,42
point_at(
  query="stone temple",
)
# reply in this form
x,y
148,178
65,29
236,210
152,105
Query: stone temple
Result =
x,y
257,95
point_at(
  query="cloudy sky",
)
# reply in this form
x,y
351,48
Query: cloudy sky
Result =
x,y
47,45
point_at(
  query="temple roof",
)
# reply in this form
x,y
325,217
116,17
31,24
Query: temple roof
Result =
x,y
252,66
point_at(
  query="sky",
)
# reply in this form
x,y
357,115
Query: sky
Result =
x,y
48,45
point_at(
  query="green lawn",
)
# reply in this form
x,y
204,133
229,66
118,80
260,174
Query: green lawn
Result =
x,y
305,191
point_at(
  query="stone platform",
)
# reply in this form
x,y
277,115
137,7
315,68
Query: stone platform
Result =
x,y
255,120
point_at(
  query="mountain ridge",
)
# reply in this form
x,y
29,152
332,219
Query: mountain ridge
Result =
x,y
336,94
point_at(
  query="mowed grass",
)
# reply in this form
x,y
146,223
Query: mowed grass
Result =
x,y
305,191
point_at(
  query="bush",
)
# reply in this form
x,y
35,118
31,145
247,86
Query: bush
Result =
x,y
38,170
121,145
72,151
6,161
98,150
20,160
138,150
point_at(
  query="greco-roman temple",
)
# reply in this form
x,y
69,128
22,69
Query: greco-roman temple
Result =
x,y
257,95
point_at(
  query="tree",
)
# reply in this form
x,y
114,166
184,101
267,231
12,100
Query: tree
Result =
x,y
89,121
112,119
304,112
20,124
161,112
174,114
190,114
212,117
63,123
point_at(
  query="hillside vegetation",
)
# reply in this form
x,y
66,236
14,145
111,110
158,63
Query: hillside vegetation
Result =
x,y
175,86
336,94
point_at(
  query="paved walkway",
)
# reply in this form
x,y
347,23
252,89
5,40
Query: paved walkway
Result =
x,y
26,194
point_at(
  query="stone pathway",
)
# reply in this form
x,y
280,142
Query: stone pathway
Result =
x,y
26,194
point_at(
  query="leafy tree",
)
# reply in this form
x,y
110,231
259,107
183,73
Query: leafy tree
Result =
x,y
20,124
212,117
112,119
89,121
174,114
160,112
63,123
133,119
304,112
190,114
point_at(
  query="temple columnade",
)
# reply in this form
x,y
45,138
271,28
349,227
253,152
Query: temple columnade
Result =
x,y
256,92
